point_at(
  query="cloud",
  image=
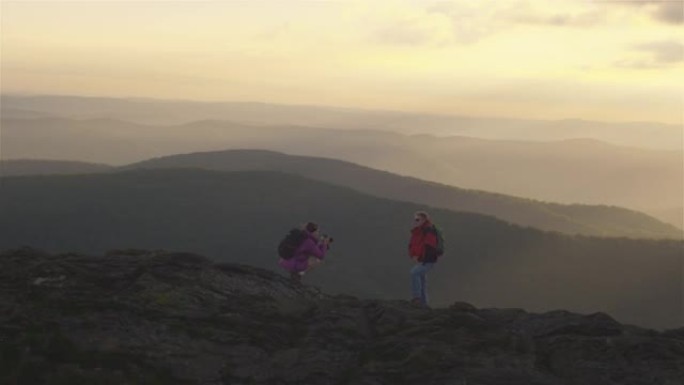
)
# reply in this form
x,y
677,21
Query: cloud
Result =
x,y
664,52
432,24
665,11
587,19
414,31
568,13
578,15
274,32
659,54
637,64
588,13
402,34
671,12
412,27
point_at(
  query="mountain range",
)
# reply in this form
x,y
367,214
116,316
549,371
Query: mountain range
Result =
x,y
241,216
648,135
49,167
577,171
571,219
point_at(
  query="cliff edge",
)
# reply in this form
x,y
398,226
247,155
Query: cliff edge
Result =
x,y
155,317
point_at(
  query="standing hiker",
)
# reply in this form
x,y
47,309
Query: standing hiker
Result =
x,y
425,247
301,249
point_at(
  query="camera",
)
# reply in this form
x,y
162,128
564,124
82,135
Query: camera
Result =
x,y
328,237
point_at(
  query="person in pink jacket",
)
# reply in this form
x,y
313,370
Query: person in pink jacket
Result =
x,y
311,250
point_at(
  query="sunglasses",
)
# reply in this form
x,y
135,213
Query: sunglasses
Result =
x,y
417,219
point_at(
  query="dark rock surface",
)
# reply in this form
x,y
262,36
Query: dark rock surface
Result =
x,y
145,317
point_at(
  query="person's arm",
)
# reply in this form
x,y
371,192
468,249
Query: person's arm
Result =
x,y
313,249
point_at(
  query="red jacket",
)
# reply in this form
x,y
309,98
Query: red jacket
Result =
x,y
423,243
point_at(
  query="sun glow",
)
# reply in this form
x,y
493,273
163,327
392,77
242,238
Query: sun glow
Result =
x,y
561,59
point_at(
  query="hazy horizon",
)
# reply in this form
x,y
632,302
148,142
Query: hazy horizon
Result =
x,y
446,114
260,115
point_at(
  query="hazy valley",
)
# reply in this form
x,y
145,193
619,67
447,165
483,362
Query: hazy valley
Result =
x,y
570,171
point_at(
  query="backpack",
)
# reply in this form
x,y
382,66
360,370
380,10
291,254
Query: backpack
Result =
x,y
439,250
289,244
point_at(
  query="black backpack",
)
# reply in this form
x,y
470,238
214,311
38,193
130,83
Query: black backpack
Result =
x,y
290,243
439,250
440,241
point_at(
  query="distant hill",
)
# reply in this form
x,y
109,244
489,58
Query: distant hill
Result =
x,y
241,216
172,112
672,215
13,113
572,219
169,318
577,171
14,167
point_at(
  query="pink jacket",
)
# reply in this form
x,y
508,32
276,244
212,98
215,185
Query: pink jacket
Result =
x,y
300,261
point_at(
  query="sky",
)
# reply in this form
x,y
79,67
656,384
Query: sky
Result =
x,y
538,59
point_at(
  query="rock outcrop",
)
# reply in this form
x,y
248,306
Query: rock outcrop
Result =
x,y
145,317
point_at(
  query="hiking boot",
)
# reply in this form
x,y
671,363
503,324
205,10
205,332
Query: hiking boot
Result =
x,y
296,278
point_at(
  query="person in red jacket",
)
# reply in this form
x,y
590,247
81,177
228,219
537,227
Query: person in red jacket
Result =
x,y
423,250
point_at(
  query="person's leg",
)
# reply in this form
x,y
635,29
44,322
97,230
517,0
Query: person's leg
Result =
x,y
416,282
313,263
423,283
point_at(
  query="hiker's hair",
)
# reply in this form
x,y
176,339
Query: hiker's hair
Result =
x,y
423,215
310,227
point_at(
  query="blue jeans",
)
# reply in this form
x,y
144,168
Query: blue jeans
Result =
x,y
419,281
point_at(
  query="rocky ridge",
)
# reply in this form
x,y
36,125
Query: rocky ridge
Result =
x,y
156,317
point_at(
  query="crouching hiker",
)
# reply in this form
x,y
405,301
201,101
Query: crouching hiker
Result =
x,y
425,247
302,249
